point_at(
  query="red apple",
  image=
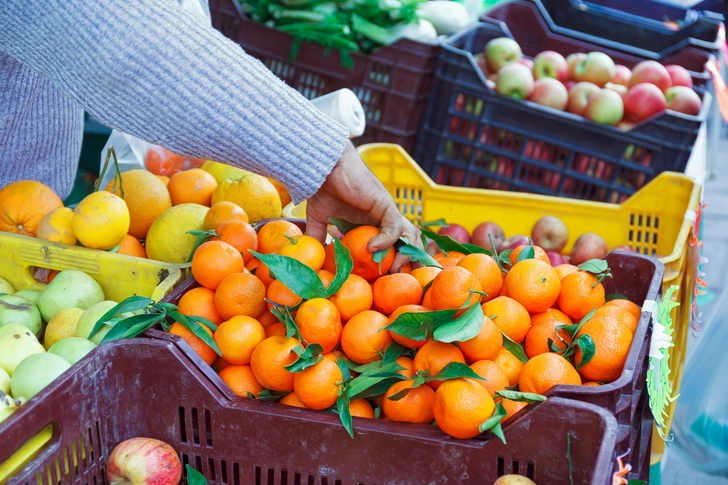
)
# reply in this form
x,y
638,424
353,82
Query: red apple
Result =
x,y
513,242
569,84
482,232
679,76
588,246
618,88
550,233
550,92
571,62
683,100
597,68
457,232
579,97
624,249
502,51
143,461
606,107
432,248
651,72
515,80
621,75
550,64
643,101
527,62
556,258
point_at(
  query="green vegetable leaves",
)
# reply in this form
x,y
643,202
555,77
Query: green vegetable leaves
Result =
x,y
462,328
493,423
597,267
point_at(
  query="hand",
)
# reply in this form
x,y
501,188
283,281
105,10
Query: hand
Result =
x,y
352,192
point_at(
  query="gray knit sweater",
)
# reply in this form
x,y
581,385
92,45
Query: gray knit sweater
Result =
x,y
154,71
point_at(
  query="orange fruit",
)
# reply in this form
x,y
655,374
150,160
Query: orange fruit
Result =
x,y
395,290
23,204
461,406
363,337
581,293
329,258
269,359
510,365
213,261
241,380
452,258
239,235
272,235
238,337
132,247
409,367
484,346
495,378
565,269
263,274
200,347
292,400
512,407
146,198
612,341
453,288
357,241
267,319
240,294
282,295
223,212
318,386
407,342
405,268
326,277
282,192
427,299
545,371
537,340
220,364
193,186
354,296
592,384
164,179
434,356
275,329
415,407
509,316
538,253
305,249
425,274
319,322
534,284
361,408
633,308
550,314
51,275
487,271
200,302
621,314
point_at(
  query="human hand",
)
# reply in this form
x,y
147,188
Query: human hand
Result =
x,y
352,192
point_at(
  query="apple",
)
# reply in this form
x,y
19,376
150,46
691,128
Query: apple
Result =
x,y
143,461
515,81
579,97
482,63
572,60
550,64
486,230
621,75
624,249
502,51
606,107
625,125
679,76
457,232
513,480
513,242
550,233
597,68
569,84
650,72
643,101
432,248
618,88
588,246
527,62
683,100
550,92
556,258
491,84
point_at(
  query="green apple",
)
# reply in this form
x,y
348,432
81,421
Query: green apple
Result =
x,y
35,372
16,309
69,289
16,346
72,349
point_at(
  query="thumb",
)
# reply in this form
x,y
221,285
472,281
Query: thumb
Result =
x,y
315,228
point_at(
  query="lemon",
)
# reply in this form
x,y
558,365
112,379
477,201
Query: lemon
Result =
x,y
5,287
61,326
101,220
255,194
57,226
167,239
222,171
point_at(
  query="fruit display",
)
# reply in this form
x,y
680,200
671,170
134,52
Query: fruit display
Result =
x,y
143,461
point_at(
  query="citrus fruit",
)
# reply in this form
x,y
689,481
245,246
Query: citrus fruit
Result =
x,y
395,290
408,367
164,179
146,197
509,316
304,249
240,294
354,296
275,329
292,400
592,384
267,319
427,299
538,337
534,284
318,386
357,241
581,293
545,371
538,253
484,346
223,212
633,308
237,337
200,302
131,246
361,408
23,204
272,235
494,378
565,269
101,220
415,407
329,258
213,261
319,322
241,380
621,314
200,347
221,171
512,407
407,342
168,239
282,295
282,192
454,288
220,364
449,259
269,359
487,271
263,274
364,337
239,235
510,365
194,186
255,194
57,226
425,274
612,341
326,277
461,406
550,314
434,356
62,325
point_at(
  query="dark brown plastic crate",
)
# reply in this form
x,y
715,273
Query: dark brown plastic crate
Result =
x,y
392,83
149,388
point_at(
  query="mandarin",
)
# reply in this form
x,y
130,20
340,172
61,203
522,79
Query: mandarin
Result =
x,y
357,242
240,294
534,284
545,371
364,337
395,290
461,406
213,261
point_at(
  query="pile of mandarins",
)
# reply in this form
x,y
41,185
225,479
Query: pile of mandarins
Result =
x,y
460,340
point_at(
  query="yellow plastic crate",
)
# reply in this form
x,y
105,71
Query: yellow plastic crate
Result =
x,y
120,276
655,221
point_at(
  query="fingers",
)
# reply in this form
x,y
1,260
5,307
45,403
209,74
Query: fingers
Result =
x,y
399,261
412,234
314,226
391,228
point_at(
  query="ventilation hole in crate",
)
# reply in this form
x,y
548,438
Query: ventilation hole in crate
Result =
x,y
182,426
515,465
271,477
75,459
311,480
531,471
324,481
185,460
96,482
500,467
90,447
257,475
284,477
208,427
195,427
337,482
85,451
380,74
100,444
211,468
223,471
236,474
198,462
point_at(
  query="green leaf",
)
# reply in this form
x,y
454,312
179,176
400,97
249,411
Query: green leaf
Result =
x,y
366,386
416,254
526,253
445,243
594,266
475,249
342,407
368,368
196,329
203,321
308,358
493,423
131,304
394,351
344,265
462,328
379,256
436,223
283,314
115,249
583,321
514,348
419,326
201,238
298,277
343,364
586,344
636,482
527,397
268,395
136,322
194,477
342,225
454,370
615,296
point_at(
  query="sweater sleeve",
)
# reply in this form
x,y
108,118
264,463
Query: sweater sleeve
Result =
x,y
150,69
